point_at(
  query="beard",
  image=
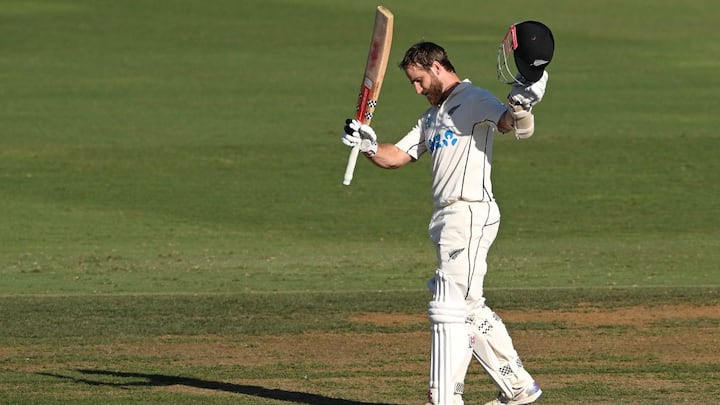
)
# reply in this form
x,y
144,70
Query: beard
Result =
x,y
434,93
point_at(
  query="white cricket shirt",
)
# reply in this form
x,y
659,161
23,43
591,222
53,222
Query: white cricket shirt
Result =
x,y
459,136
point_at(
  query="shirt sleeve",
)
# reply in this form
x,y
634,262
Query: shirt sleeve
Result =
x,y
413,143
489,108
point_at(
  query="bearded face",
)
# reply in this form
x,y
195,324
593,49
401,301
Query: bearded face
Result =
x,y
434,91
426,82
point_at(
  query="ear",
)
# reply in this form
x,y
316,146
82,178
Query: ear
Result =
x,y
437,68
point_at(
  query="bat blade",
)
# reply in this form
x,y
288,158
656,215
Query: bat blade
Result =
x,y
375,67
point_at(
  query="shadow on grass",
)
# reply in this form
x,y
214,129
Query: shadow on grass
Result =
x,y
159,380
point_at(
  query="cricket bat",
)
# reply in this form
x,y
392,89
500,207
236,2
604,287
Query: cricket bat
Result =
x,y
372,79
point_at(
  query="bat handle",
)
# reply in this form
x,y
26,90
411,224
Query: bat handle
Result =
x,y
350,169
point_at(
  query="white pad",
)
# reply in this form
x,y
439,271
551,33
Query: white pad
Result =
x,y
451,349
493,348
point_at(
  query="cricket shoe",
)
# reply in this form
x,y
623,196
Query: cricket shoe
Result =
x,y
523,396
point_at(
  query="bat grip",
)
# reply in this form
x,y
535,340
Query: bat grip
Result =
x,y
350,168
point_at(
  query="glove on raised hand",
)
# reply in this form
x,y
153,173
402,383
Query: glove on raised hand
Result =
x,y
358,134
528,96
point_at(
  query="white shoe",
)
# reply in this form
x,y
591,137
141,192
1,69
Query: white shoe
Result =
x,y
525,396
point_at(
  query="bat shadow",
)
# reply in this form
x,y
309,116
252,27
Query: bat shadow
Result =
x,y
93,377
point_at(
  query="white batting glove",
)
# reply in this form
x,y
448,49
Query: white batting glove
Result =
x,y
528,96
358,134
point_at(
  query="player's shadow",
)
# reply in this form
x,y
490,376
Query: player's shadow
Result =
x,y
159,380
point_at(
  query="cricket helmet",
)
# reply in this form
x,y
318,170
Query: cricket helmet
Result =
x,y
531,45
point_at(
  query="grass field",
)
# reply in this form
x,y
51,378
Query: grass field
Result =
x,y
175,229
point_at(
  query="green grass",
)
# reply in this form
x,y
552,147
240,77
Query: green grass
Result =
x,y
177,148
108,318
174,168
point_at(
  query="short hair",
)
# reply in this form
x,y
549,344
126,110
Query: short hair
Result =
x,y
424,54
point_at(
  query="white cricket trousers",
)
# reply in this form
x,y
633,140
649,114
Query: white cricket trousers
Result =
x,y
463,233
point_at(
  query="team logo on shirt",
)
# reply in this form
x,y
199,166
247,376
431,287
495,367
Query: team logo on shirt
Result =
x,y
442,141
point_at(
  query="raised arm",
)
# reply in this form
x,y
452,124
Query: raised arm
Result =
x,y
521,99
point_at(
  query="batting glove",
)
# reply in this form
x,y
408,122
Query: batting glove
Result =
x,y
528,96
358,134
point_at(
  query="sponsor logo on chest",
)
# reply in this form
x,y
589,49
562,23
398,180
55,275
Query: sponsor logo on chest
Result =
x,y
439,123
444,140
